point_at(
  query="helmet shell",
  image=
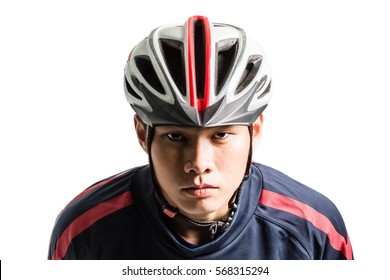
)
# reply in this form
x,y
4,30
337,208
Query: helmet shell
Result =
x,y
198,74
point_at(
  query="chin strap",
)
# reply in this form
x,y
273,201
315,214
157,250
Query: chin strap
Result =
x,y
215,227
249,163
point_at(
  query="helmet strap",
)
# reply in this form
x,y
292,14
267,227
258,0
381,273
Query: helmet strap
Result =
x,y
215,228
249,163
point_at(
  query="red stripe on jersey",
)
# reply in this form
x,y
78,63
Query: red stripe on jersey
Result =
x,y
199,103
287,204
93,187
87,219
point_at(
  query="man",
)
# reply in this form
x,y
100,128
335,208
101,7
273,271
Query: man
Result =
x,y
199,90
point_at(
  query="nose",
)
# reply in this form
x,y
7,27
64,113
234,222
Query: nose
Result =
x,y
198,158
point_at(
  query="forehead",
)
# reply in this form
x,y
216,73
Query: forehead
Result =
x,y
193,129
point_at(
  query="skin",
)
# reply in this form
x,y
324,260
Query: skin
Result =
x,y
199,169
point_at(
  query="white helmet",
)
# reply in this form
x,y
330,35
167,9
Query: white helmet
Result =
x,y
198,74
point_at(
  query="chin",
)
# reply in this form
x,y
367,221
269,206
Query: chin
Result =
x,y
202,214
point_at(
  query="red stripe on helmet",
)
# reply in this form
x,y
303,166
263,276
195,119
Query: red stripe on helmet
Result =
x,y
199,103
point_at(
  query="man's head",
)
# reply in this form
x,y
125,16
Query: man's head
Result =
x,y
196,89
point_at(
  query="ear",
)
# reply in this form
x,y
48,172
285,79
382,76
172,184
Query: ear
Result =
x,y
140,129
257,130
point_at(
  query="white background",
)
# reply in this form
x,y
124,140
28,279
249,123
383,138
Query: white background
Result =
x,y
65,123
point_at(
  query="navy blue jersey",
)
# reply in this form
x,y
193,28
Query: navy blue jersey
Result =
x,y
277,218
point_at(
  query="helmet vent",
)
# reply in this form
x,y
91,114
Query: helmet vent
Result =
x,y
200,56
250,72
130,89
147,71
227,50
173,53
266,91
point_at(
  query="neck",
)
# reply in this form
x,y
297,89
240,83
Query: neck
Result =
x,y
191,233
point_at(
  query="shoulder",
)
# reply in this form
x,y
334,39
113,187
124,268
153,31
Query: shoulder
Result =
x,y
102,199
280,186
308,214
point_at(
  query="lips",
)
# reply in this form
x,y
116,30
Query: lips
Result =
x,y
200,191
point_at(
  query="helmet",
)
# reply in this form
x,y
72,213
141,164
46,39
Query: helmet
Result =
x,y
198,74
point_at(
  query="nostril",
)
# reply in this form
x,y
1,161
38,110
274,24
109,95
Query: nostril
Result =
x,y
197,167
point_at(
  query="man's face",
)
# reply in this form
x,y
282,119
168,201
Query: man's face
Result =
x,y
199,169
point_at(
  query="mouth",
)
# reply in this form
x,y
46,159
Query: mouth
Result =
x,y
200,191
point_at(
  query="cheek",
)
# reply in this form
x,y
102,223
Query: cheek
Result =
x,y
234,159
157,156
165,162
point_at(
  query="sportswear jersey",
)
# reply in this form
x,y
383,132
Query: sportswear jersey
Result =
x,y
277,218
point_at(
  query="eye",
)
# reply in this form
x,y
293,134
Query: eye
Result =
x,y
175,136
221,135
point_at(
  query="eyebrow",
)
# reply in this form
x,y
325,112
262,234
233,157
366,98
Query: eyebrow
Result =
x,y
186,128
